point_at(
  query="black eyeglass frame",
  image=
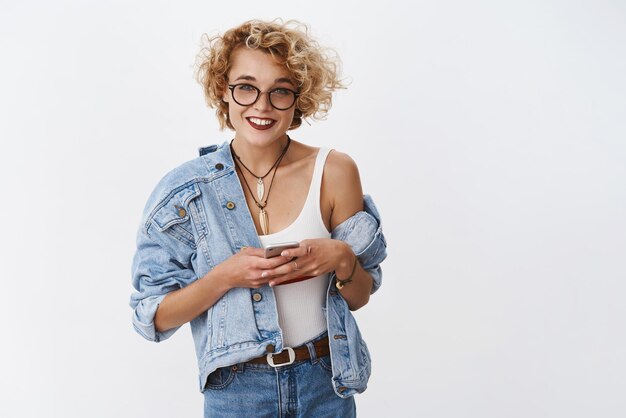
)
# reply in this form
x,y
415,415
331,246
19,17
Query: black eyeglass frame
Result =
x,y
232,87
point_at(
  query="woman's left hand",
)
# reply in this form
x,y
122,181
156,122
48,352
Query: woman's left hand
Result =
x,y
314,257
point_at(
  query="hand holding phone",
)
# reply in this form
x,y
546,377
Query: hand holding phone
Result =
x,y
273,250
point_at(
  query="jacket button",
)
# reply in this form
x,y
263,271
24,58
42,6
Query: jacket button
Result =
x,y
182,212
219,166
257,297
269,348
342,389
230,205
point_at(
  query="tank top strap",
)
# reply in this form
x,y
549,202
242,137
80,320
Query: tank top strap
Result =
x,y
313,199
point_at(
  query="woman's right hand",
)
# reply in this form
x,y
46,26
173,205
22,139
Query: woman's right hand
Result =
x,y
244,268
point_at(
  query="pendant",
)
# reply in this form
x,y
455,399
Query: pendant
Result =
x,y
263,221
260,189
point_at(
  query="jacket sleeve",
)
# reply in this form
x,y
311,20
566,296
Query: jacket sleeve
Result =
x,y
363,232
162,263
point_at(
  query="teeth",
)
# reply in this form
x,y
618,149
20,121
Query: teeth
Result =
x,y
258,121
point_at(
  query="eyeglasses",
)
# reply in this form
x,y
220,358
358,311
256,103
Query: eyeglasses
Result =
x,y
281,98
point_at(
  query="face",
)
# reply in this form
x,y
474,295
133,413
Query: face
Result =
x,y
259,123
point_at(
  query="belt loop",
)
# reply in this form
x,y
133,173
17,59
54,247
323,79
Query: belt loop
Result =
x,y
310,345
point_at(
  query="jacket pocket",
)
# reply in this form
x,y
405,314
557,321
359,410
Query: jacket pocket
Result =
x,y
175,216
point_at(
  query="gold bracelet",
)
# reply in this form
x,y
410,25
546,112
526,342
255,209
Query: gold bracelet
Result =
x,y
341,283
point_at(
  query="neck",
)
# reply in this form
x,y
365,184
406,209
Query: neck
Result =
x,y
259,158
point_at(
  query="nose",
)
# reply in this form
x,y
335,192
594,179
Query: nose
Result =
x,y
263,101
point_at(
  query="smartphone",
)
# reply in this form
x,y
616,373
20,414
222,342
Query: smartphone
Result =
x,y
273,250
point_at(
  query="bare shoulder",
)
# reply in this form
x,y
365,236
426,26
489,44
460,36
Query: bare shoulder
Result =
x,y
342,187
339,164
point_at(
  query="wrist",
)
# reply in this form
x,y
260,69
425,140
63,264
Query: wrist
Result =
x,y
346,260
346,267
217,279
339,282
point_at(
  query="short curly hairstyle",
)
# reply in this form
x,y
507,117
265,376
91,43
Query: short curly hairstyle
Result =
x,y
314,69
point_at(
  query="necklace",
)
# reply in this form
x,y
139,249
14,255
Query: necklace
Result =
x,y
260,186
263,219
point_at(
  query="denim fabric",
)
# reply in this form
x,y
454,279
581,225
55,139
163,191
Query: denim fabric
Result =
x,y
301,389
196,218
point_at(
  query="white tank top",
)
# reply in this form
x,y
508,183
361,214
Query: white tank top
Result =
x,y
300,304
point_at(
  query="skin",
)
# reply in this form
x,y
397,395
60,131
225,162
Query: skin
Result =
x,y
341,197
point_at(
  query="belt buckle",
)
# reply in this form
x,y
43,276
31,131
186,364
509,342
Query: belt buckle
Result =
x,y
292,358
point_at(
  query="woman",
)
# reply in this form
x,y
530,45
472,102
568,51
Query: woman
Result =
x,y
272,335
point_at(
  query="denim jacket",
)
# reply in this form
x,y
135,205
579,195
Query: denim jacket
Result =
x,y
195,219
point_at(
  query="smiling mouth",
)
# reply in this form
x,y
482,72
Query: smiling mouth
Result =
x,y
260,123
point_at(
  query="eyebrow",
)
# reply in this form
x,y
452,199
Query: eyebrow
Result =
x,y
278,80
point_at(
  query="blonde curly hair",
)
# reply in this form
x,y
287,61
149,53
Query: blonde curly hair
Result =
x,y
314,69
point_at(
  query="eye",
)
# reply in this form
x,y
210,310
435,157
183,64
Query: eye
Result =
x,y
246,87
281,92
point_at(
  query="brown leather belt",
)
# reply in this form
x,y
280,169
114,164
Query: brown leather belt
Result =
x,y
299,353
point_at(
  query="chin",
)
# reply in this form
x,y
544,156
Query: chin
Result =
x,y
261,138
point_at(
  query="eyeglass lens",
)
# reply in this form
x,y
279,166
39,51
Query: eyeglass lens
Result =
x,y
281,99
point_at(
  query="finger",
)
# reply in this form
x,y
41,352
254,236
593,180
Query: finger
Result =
x,y
300,251
279,280
289,278
253,251
274,272
290,269
272,263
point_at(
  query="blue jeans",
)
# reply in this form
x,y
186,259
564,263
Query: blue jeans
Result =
x,y
301,389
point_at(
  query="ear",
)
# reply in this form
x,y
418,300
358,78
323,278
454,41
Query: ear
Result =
x,y
226,93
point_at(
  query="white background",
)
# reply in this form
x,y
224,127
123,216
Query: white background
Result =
x,y
491,134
